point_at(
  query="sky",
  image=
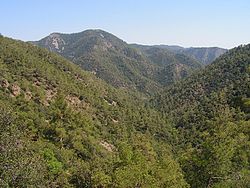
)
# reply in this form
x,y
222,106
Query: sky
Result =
x,y
222,23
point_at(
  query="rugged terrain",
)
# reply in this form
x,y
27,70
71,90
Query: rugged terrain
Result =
x,y
119,63
61,126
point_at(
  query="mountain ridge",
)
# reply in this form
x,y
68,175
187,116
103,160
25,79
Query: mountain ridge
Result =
x,y
117,62
204,55
106,56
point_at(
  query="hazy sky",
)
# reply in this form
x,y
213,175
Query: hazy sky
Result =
x,y
223,23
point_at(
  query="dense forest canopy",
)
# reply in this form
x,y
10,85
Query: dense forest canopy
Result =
x,y
210,110
74,129
143,68
61,126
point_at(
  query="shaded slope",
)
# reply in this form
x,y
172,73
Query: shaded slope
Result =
x,y
172,67
205,55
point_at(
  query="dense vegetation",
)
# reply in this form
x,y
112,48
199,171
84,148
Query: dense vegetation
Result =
x,y
141,68
106,56
210,110
172,67
63,127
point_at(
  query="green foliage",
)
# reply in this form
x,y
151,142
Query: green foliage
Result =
x,y
53,164
63,127
106,56
78,131
137,67
210,111
19,165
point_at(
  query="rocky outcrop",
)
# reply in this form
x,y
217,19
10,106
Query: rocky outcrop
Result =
x,y
5,83
15,90
109,147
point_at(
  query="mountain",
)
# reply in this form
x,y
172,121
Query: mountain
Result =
x,y
106,56
171,66
205,55
210,110
62,127
224,74
118,63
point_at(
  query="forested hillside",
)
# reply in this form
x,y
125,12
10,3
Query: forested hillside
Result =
x,y
94,95
120,64
106,56
172,67
210,110
63,127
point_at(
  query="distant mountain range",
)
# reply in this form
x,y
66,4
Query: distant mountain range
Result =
x,y
205,55
144,68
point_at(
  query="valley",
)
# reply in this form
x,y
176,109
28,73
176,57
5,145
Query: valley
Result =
x,y
90,110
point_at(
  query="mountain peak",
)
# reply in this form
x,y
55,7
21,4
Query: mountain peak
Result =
x,y
54,35
55,42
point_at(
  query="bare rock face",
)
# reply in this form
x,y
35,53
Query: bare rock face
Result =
x,y
110,102
115,120
5,83
109,147
73,100
55,42
16,90
28,95
50,94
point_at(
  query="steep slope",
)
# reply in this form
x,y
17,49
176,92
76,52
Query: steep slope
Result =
x,y
210,109
171,66
63,127
106,56
224,74
131,66
205,55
